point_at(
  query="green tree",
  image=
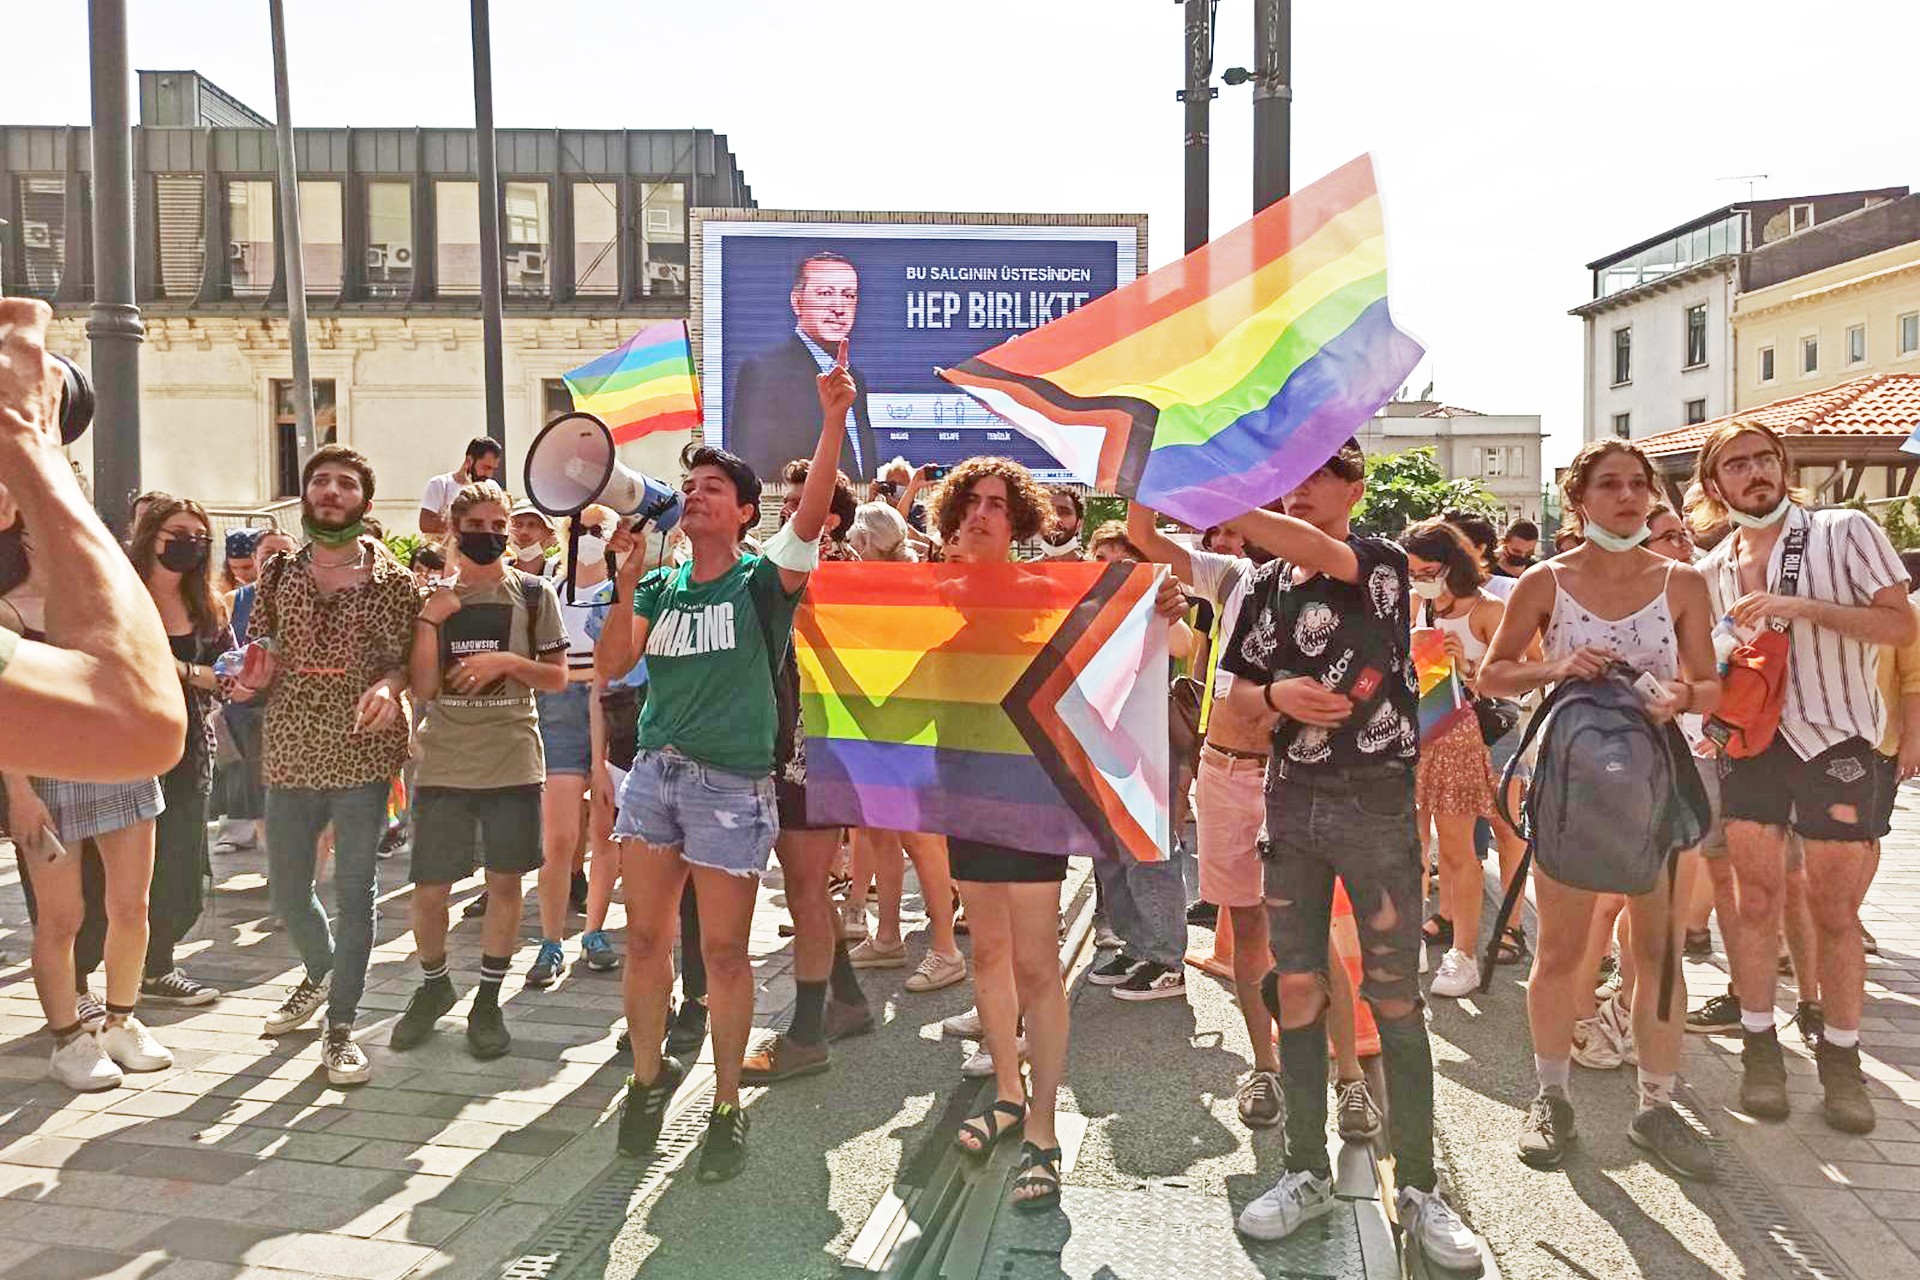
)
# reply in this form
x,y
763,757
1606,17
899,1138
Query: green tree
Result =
x,y
1406,487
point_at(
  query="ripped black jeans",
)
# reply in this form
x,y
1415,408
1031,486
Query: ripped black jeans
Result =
x,y
1356,824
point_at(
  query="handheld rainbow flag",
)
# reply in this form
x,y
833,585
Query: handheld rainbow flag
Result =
x,y
1442,699
1024,705
643,386
1220,381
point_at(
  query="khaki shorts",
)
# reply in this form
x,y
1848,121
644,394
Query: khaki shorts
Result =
x,y
1231,810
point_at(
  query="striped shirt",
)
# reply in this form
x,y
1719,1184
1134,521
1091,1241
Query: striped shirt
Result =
x,y
1833,689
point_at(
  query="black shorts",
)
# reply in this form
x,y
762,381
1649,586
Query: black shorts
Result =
x,y
1889,788
996,864
791,799
620,711
1777,788
451,825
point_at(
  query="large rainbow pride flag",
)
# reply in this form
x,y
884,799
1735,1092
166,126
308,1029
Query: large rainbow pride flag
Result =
x,y
1023,705
646,384
1220,381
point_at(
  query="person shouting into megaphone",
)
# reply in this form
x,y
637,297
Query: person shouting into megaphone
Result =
x,y
700,799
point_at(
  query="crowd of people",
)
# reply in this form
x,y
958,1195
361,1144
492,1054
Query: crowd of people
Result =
x,y
573,700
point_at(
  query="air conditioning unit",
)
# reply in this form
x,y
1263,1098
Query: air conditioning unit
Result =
x,y
36,235
399,255
377,257
529,262
660,223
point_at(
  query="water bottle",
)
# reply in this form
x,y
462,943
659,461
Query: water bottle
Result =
x,y
1726,638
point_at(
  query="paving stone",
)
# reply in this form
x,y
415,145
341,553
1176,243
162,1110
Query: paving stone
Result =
x,y
345,1256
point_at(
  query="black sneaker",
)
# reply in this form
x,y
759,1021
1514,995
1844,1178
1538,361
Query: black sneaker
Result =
x,y
176,988
724,1153
1662,1134
1847,1106
1547,1132
475,909
487,1035
430,1002
577,893
686,1029
1152,981
645,1109
1718,1016
1699,944
1812,1022
1763,1076
1115,971
1204,914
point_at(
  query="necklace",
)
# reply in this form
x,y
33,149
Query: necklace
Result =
x,y
359,559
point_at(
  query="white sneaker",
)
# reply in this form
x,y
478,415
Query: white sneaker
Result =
x,y
853,921
870,953
1457,976
963,1026
83,1066
345,1061
1423,956
1616,1024
1593,1048
980,1064
1297,1198
937,972
131,1045
1444,1239
299,1007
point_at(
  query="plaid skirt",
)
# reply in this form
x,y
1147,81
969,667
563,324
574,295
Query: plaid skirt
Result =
x,y
83,809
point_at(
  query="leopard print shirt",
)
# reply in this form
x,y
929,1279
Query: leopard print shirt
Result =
x,y
329,649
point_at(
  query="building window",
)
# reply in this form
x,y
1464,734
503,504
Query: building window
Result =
x,y
1623,425
389,239
249,237
1810,355
1766,364
321,223
456,255
1909,333
596,239
1856,344
1622,356
1493,462
555,399
43,232
1696,335
286,434
1516,461
1694,411
181,213
526,240
663,239
1802,217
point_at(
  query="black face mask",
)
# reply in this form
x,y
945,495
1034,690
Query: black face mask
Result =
x,y
13,556
184,555
483,548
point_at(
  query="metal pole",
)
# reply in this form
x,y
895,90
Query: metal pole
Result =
x,y
1198,95
292,260
113,321
492,341
1272,100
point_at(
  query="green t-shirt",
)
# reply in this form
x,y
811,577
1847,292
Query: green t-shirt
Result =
x,y
490,737
708,665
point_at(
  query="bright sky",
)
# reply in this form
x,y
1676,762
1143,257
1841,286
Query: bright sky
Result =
x,y
1516,140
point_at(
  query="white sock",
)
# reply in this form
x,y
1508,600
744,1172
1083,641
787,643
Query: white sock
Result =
x,y
1758,1023
1841,1038
1655,1090
1556,1074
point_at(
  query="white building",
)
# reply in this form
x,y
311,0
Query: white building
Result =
x,y
1501,451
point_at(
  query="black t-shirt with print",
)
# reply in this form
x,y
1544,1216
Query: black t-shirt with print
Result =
x,y
1353,638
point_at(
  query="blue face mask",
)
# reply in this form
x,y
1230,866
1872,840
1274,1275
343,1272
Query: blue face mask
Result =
x,y
1612,541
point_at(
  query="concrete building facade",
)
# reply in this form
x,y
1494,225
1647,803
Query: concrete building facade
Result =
x,y
1501,451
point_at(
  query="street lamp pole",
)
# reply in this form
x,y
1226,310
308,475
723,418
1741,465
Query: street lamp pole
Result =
x,y
292,261
1272,100
113,321
488,164
1198,97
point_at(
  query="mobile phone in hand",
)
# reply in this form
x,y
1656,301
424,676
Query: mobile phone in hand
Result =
x,y
47,846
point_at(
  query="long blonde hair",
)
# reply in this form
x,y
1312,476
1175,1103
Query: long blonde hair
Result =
x,y
1710,513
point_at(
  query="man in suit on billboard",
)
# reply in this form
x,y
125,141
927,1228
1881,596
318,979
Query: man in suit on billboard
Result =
x,y
772,415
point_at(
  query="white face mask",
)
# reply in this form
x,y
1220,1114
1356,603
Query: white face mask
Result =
x,y
1612,541
1430,590
590,549
1766,521
529,554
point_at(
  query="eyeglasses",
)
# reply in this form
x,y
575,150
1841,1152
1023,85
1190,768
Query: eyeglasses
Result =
x,y
1747,464
1675,538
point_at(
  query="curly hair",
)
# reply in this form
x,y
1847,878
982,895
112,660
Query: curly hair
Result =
x,y
1114,532
1028,507
1573,483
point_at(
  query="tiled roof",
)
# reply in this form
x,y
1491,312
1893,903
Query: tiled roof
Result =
x,y
1451,411
1885,405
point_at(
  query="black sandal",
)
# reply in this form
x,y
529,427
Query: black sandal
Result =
x,y
1513,946
1437,931
1040,1169
985,1129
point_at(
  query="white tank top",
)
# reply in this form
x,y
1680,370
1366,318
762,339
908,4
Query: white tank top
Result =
x,y
1462,626
1643,638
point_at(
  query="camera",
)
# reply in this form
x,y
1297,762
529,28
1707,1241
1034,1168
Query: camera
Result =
x,y
936,470
76,400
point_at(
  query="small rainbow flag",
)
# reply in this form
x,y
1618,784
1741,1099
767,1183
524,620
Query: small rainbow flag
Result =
x,y
643,386
1442,698
1022,705
1220,381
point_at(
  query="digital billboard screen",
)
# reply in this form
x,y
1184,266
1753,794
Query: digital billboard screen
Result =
x,y
777,294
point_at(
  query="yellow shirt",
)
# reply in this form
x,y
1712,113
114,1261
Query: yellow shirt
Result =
x,y
1899,678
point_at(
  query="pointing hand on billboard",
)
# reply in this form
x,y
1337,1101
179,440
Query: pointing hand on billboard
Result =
x,y
836,390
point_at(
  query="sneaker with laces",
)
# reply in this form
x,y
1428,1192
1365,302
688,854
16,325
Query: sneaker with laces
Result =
x,y
871,953
1547,1131
1593,1048
724,1152
1662,1134
91,1010
979,1064
431,1001
1718,1016
645,1109
1113,971
487,1034
853,921
345,1061
1260,1100
937,972
1153,981
132,1046
1615,1022
1763,1076
1457,976
548,965
963,1026
1847,1105
298,1008
1812,1021
598,952
1299,1197
1442,1237
1359,1115
176,988
686,1029
82,1064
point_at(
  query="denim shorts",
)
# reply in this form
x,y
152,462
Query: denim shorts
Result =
x,y
717,819
566,728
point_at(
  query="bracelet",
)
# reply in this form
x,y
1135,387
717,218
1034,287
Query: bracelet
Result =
x,y
428,621
1266,696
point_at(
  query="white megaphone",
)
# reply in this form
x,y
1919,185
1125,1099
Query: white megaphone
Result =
x,y
573,463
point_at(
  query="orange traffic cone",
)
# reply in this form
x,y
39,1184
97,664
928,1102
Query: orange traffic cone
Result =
x,y
1346,945
1219,961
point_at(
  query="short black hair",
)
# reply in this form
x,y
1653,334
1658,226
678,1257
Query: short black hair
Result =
x,y
1071,495
481,447
1479,530
1524,529
825,255
429,556
746,485
340,456
843,503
